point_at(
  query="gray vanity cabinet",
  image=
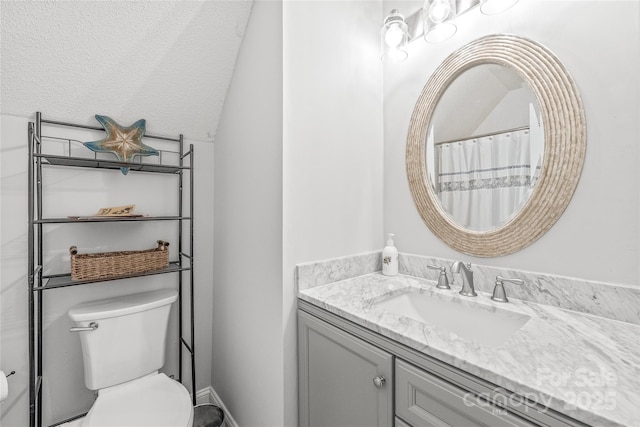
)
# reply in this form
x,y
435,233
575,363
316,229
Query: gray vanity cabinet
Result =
x,y
425,400
338,361
343,381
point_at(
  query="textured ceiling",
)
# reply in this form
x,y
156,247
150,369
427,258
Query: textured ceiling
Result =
x,y
169,62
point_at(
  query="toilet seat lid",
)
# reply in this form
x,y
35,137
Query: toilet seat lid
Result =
x,y
155,401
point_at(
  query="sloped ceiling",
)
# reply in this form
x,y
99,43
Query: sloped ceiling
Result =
x,y
169,62
471,98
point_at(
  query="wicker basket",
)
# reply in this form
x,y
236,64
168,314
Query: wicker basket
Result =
x,y
114,264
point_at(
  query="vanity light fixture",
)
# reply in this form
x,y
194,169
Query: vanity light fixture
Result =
x,y
434,21
394,38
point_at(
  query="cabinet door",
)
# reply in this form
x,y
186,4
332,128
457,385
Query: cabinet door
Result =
x,y
424,400
336,378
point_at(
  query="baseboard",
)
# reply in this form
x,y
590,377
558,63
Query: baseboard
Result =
x,y
209,395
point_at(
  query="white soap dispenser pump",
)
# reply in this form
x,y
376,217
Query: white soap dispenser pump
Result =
x,y
390,258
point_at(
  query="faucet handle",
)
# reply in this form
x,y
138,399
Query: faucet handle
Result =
x,y
499,293
443,280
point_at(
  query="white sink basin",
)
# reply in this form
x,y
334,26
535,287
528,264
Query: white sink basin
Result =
x,y
485,324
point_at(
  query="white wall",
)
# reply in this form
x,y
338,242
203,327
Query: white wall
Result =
x,y
247,366
598,236
332,144
298,175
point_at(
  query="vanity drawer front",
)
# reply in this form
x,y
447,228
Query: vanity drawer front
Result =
x,y
424,400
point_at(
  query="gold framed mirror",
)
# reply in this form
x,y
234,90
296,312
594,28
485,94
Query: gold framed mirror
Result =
x,y
563,131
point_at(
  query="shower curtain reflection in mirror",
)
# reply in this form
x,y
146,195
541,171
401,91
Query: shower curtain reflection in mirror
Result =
x,y
483,182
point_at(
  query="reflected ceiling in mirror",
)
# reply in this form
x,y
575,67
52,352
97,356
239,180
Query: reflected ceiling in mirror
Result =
x,y
557,108
484,147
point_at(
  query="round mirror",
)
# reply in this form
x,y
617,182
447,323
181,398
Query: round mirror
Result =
x,y
496,145
484,147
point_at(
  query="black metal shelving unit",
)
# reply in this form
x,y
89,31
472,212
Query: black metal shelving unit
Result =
x,y
39,282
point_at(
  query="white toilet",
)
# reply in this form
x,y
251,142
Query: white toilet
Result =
x,y
122,356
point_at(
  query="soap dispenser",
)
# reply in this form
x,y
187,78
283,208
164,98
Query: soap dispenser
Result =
x,y
390,258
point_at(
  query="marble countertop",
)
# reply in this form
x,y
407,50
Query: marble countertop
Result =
x,y
584,366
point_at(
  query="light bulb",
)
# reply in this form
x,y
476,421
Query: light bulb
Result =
x,y
393,36
439,11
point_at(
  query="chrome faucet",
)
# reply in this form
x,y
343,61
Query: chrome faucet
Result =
x,y
467,278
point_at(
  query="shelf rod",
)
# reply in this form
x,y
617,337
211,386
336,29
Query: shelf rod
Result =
x,y
186,345
69,282
173,268
95,163
192,275
37,270
85,220
39,309
30,269
51,276
75,125
180,236
63,422
185,255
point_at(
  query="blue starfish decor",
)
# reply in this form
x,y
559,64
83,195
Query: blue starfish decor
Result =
x,y
124,142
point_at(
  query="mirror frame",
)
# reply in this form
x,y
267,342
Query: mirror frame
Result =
x,y
564,125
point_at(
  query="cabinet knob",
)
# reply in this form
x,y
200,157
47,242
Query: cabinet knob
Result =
x,y
379,381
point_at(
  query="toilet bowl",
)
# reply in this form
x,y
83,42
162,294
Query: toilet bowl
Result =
x,y
155,400
123,344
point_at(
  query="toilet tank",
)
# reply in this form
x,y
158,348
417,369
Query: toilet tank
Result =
x,y
129,341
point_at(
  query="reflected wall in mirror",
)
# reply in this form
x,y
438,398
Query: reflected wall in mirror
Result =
x,y
496,145
484,147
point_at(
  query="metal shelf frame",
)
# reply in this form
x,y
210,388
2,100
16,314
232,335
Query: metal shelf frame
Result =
x,y
38,282
73,220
